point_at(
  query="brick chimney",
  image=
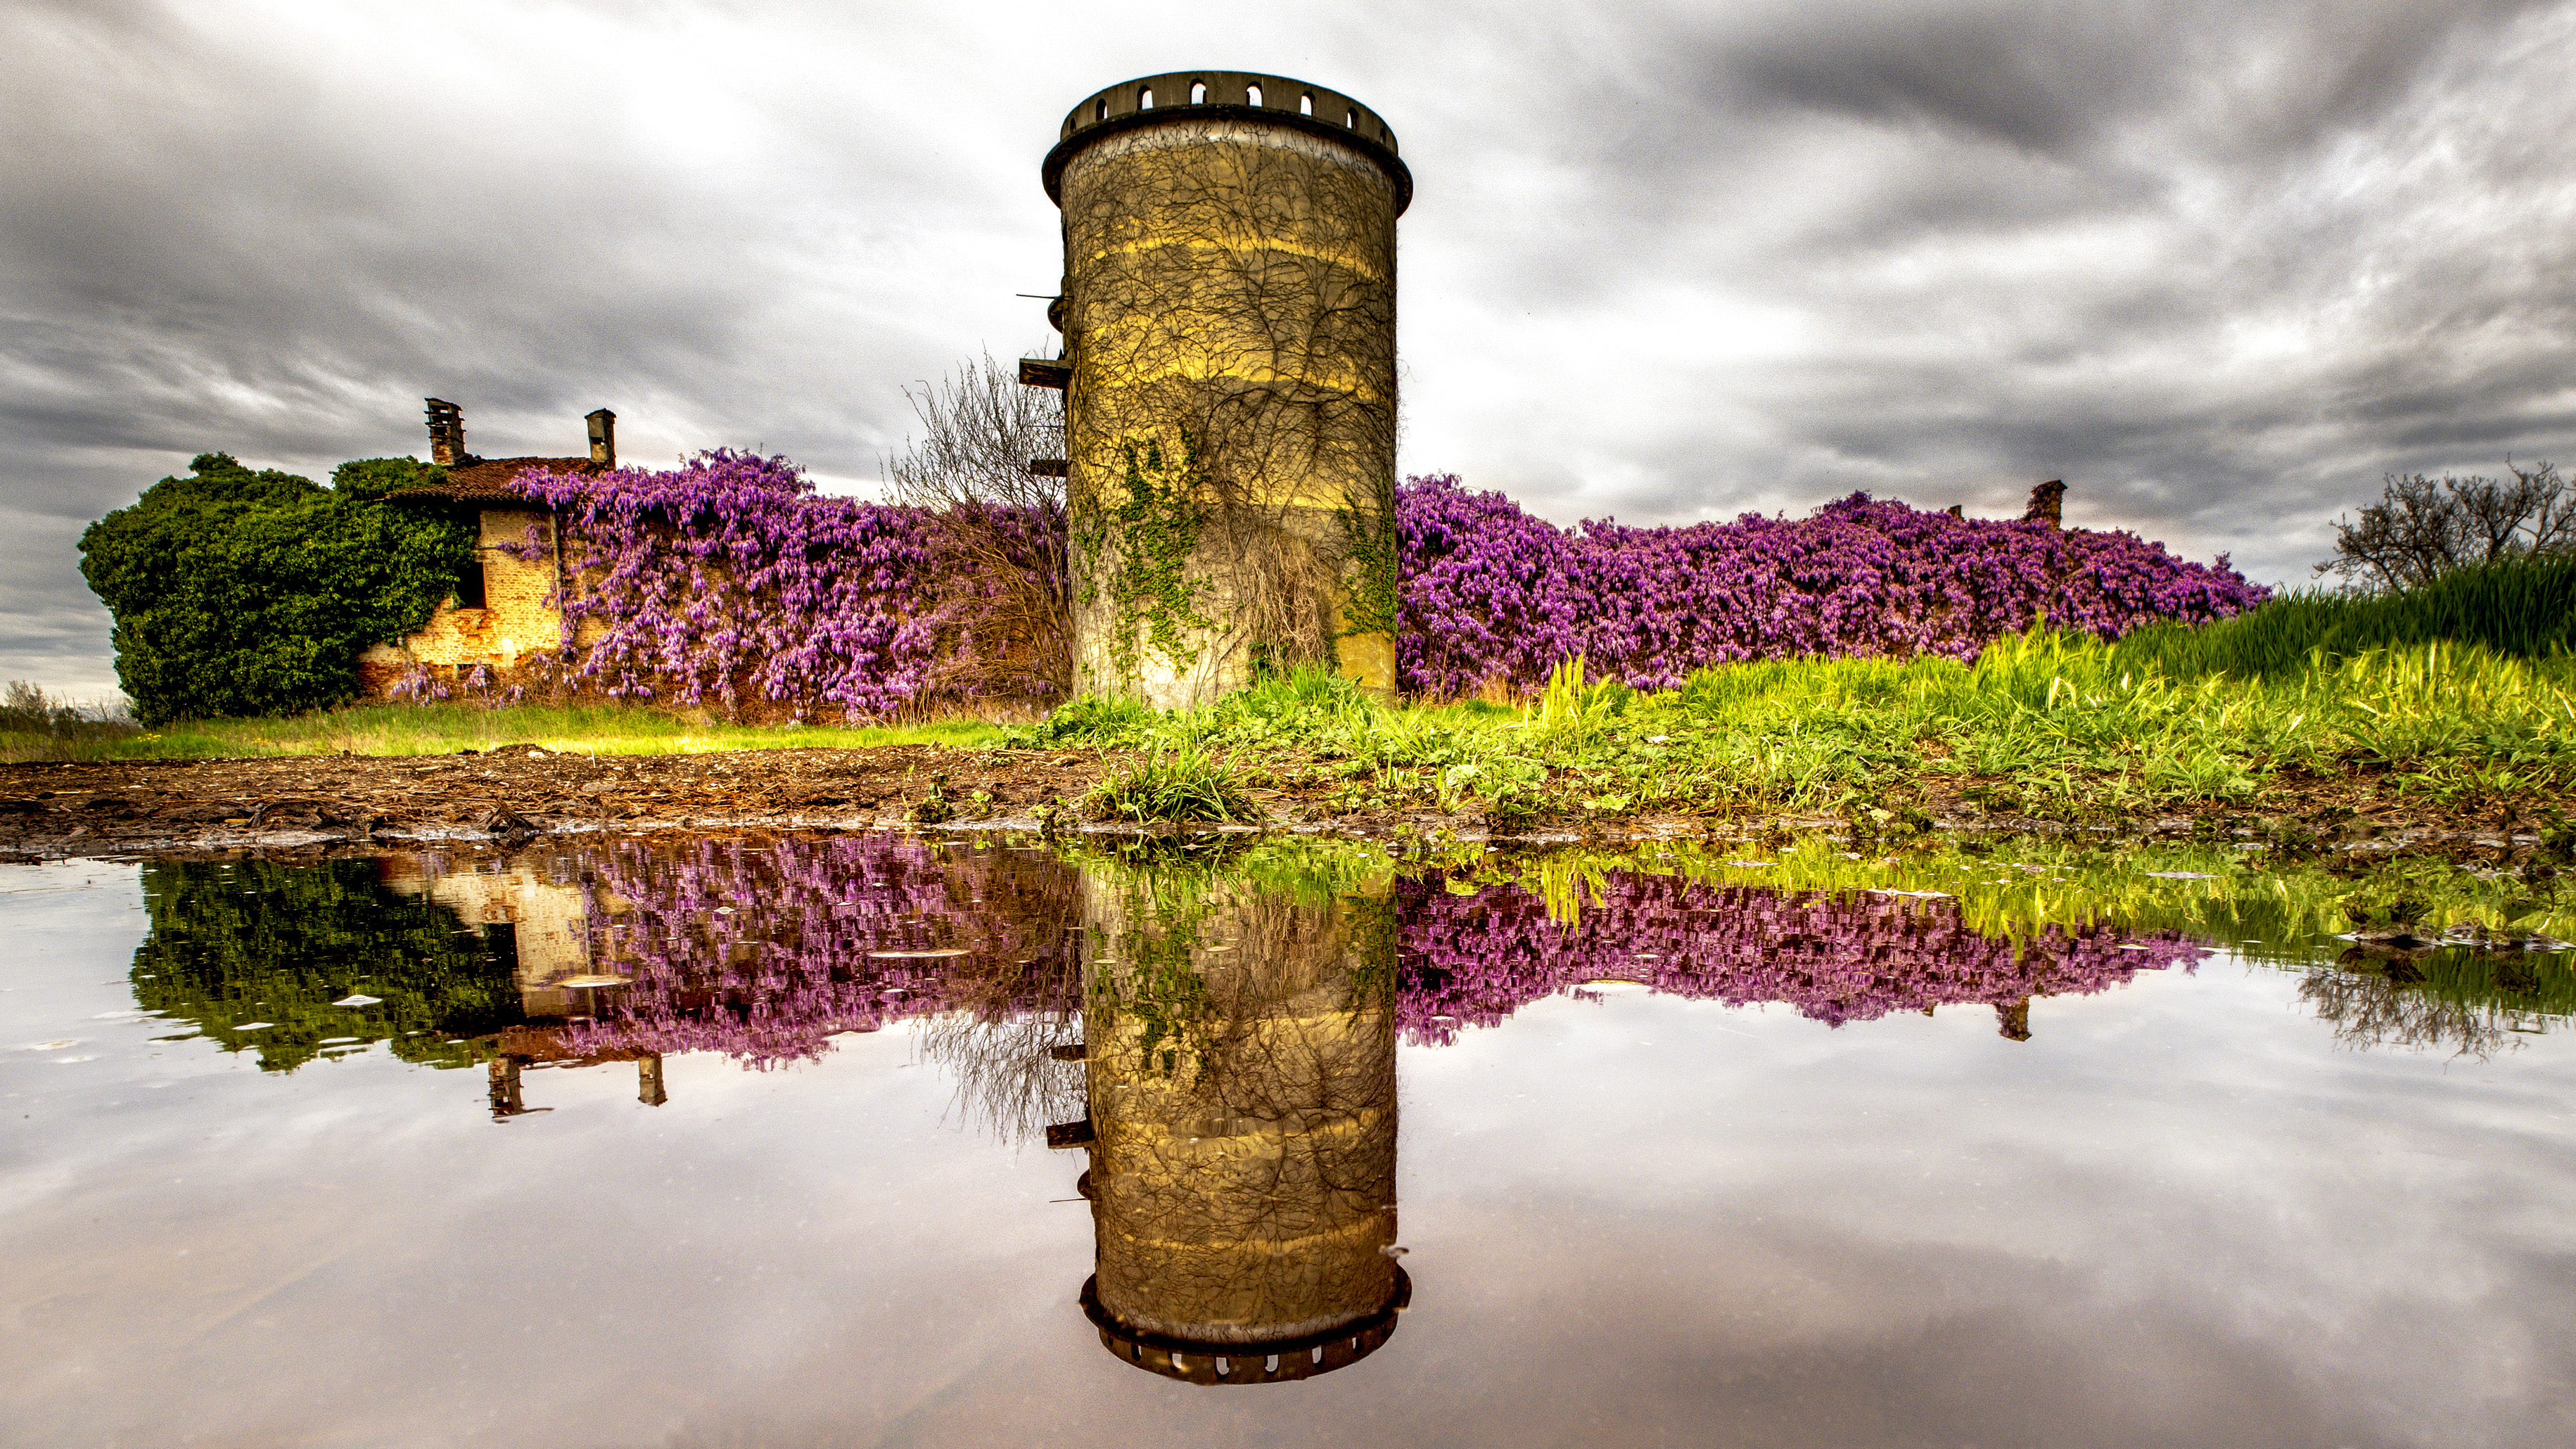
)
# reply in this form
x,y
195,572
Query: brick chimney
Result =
x,y
603,438
446,433
2048,504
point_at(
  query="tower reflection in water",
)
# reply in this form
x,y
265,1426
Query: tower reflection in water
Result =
x,y
1240,1077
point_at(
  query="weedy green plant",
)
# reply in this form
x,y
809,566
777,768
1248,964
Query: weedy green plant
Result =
x,y
1575,710
1177,782
35,725
1097,721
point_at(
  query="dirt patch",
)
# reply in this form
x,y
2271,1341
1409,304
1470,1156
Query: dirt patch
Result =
x,y
514,792
521,791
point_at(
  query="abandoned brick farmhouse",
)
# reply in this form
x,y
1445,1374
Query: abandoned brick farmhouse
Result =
x,y
504,612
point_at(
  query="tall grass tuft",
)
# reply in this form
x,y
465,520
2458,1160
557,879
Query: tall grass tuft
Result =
x,y
1573,709
2524,608
1181,781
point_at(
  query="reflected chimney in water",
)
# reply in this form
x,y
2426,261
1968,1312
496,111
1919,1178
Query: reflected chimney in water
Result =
x,y
1240,1062
507,1101
2013,1022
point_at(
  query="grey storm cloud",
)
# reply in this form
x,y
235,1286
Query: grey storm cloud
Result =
x,y
2219,266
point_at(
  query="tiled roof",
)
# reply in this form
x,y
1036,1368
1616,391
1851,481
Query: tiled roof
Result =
x,y
487,480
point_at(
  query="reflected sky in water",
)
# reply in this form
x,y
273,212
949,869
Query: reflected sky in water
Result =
x,y
726,1143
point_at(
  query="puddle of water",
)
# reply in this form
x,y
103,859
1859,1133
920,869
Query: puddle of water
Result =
x,y
867,1140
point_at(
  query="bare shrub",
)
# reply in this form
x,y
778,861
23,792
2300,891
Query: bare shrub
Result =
x,y
2421,528
1000,527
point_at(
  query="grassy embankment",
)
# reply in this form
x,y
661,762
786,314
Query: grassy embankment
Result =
x,y
2459,698
442,729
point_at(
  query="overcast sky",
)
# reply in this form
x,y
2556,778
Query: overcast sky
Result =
x,y
2219,266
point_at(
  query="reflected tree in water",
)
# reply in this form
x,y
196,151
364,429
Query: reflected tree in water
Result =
x,y
1003,1052
2469,1002
237,943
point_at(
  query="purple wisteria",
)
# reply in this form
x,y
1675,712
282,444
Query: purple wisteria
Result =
x,y
1489,593
729,579
764,948
1474,960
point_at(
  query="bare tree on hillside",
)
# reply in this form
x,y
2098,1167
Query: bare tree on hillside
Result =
x,y
1002,526
2421,529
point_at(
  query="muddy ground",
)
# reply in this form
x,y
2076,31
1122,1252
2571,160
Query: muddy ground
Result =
x,y
50,811
515,792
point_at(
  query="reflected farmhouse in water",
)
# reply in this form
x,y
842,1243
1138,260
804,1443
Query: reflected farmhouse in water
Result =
x,y
540,931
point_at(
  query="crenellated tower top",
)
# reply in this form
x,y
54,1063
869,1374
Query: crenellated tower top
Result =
x,y
1227,95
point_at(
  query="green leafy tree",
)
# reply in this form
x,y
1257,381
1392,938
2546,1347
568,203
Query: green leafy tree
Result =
x,y
252,593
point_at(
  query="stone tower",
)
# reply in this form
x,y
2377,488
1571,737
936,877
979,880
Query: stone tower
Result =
x,y
1228,313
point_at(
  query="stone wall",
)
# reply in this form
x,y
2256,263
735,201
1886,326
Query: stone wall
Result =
x,y
517,624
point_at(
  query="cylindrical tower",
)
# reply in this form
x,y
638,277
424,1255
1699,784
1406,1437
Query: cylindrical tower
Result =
x,y
1241,1075
1229,319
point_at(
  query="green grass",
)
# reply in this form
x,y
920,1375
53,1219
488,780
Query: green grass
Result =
x,y
2521,608
1177,780
2043,724
404,729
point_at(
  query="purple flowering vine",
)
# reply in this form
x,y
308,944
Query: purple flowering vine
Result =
x,y
729,580
1488,593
